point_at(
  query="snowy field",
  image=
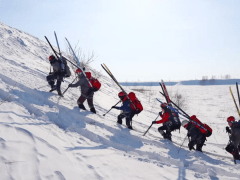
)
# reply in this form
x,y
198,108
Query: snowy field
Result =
x,y
44,138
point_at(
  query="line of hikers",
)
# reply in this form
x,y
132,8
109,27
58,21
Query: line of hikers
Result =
x,y
197,132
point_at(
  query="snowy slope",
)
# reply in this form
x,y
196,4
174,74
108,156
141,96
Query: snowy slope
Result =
x,y
44,138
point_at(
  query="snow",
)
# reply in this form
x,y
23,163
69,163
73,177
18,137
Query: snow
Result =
x,y
42,137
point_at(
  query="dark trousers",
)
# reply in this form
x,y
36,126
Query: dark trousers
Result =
x,y
128,117
51,81
82,99
198,140
165,128
232,150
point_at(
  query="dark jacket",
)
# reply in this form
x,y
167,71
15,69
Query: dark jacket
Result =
x,y
235,134
126,107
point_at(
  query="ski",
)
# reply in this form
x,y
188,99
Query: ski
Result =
x,y
163,91
90,84
234,100
173,109
166,93
115,80
177,107
238,93
51,47
57,44
78,62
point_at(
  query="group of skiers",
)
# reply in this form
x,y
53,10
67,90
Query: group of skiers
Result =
x,y
197,131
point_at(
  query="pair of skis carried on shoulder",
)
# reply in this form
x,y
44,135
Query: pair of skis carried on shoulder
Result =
x,y
115,80
234,98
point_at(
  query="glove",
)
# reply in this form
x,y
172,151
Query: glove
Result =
x,y
90,91
228,129
95,89
114,107
154,122
160,113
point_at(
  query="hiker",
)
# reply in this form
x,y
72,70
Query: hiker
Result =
x,y
169,120
197,132
233,146
60,70
87,92
126,110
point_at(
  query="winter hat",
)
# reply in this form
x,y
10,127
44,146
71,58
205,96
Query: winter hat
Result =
x,y
78,71
230,119
164,105
185,123
121,94
52,57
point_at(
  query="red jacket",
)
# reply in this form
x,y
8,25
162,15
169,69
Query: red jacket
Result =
x,y
164,117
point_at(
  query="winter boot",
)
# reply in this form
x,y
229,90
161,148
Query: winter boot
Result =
x,y
54,87
93,110
168,136
60,93
162,133
119,119
81,106
130,127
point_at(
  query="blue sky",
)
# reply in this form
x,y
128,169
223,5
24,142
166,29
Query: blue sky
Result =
x,y
140,40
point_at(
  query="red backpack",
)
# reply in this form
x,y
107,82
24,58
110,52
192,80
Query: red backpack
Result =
x,y
95,83
209,130
204,128
138,106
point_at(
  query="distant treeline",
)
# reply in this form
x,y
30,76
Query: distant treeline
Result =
x,y
203,82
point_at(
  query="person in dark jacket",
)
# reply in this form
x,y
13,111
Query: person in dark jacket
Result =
x,y
233,129
166,121
126,110
195,136
60,71
86,91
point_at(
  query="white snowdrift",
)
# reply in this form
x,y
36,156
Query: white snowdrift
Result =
x,y
44,138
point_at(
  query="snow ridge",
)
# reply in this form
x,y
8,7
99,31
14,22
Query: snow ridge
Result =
x,y
42,137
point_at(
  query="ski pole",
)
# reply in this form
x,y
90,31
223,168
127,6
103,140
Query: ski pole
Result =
x,y
182,144
111,108
150,126
67,88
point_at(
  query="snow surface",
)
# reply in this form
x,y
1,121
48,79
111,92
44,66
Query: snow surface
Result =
x,y
42,137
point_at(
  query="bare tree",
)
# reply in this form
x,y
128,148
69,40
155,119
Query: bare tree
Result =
x,y
227,76
204,80
212,80
84,60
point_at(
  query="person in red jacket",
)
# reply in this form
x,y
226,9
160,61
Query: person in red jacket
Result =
x,y
166,121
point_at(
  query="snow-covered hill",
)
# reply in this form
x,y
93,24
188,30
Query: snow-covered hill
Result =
x,y
42,137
